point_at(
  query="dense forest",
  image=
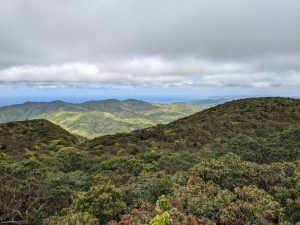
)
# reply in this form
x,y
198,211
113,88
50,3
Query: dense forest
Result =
x,y
235,163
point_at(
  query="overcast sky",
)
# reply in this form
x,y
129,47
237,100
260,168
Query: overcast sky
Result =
x,y
238,44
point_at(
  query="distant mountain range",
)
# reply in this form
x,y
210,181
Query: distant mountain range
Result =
x,y
211,101
95,118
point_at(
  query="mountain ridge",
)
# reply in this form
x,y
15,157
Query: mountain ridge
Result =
x,y
96,118
213,129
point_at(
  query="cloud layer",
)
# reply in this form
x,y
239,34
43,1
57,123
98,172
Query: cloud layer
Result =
x,y
158,72
250,43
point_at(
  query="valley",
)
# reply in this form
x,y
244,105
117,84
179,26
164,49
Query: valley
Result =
x,y
96,118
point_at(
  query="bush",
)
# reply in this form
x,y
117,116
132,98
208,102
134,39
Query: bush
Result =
x,y
72,219
102,201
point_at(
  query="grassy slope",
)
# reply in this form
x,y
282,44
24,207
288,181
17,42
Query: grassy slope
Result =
x,y
30,110
94,123
96,118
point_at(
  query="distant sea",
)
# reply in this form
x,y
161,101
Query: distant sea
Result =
x,y
4,101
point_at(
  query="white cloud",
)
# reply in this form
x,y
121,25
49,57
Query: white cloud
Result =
x,y
154,71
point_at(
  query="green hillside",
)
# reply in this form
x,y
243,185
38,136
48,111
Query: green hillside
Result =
x,y
33,135
217,130
95,118
236,163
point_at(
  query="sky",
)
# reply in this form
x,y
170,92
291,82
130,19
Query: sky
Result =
x,y
148,49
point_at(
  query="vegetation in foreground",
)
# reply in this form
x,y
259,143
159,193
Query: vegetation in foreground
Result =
x,y
236,163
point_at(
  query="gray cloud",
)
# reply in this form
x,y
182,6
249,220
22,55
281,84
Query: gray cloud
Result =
x,y
141,42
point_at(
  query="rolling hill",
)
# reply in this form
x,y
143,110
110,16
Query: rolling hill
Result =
x,y
249,123
36,135
96,118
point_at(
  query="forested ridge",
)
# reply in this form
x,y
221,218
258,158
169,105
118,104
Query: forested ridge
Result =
x,y
248,127
235,163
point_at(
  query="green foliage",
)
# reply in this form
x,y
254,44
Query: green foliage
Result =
x,y
72,219
231,171
244,205
161,219
252,206
287,192
23,192
28,193
147,187
123,164
37,135
200,199
282,146
73,159
102,201
163,204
